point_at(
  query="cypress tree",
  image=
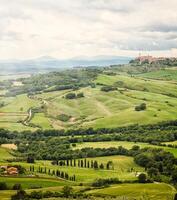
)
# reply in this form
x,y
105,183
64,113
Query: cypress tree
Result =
x,y
91,163
62,175
71,162
95,164
85,163
82,163
88,164
101,166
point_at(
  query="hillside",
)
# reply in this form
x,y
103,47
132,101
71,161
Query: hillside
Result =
x,y
97,108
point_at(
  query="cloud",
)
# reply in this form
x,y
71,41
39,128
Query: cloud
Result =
x,y
67,28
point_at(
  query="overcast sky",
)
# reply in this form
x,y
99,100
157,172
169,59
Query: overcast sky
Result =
x,y
76,28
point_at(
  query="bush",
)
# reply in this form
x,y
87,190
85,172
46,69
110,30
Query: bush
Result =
x,y
67,191
142,178
104,182
20,195
70,96
141,107
36,195
3,186
108,88
64,117
17,186
80,95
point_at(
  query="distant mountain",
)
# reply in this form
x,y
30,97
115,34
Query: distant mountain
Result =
x,y
47,63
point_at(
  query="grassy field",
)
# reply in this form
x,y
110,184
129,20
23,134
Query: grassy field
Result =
x,y
122,166
4,154
173,143
159,191
15,110
167,74
151,191
97,109
41,120
125,144
32,183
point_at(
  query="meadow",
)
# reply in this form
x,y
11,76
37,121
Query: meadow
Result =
x,y
155,191
97,108
5,154
125,144
122,166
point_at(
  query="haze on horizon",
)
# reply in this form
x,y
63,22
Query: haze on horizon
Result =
x,y
66,28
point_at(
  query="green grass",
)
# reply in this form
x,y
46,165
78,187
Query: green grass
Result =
x,y
41,120
167,74
172,143
15,110
20,103
5,154
140,84
30,183
153,191
98,109
125,144
122,166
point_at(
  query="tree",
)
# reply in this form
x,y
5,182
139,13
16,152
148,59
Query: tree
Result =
x,y
30,159
95,165
20,195
85,163
17,186
67,191
140,107
174,176
82,163
142,178
3,186
80,95
101,166
70,96
152,171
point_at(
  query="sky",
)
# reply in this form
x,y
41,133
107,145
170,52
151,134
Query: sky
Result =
x,y
85,28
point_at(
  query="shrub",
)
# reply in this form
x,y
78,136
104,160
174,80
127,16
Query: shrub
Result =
x,y
67,191
17,186
80,95
140,107
3,186
108,88
70,96
20,195
142,178
64,117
